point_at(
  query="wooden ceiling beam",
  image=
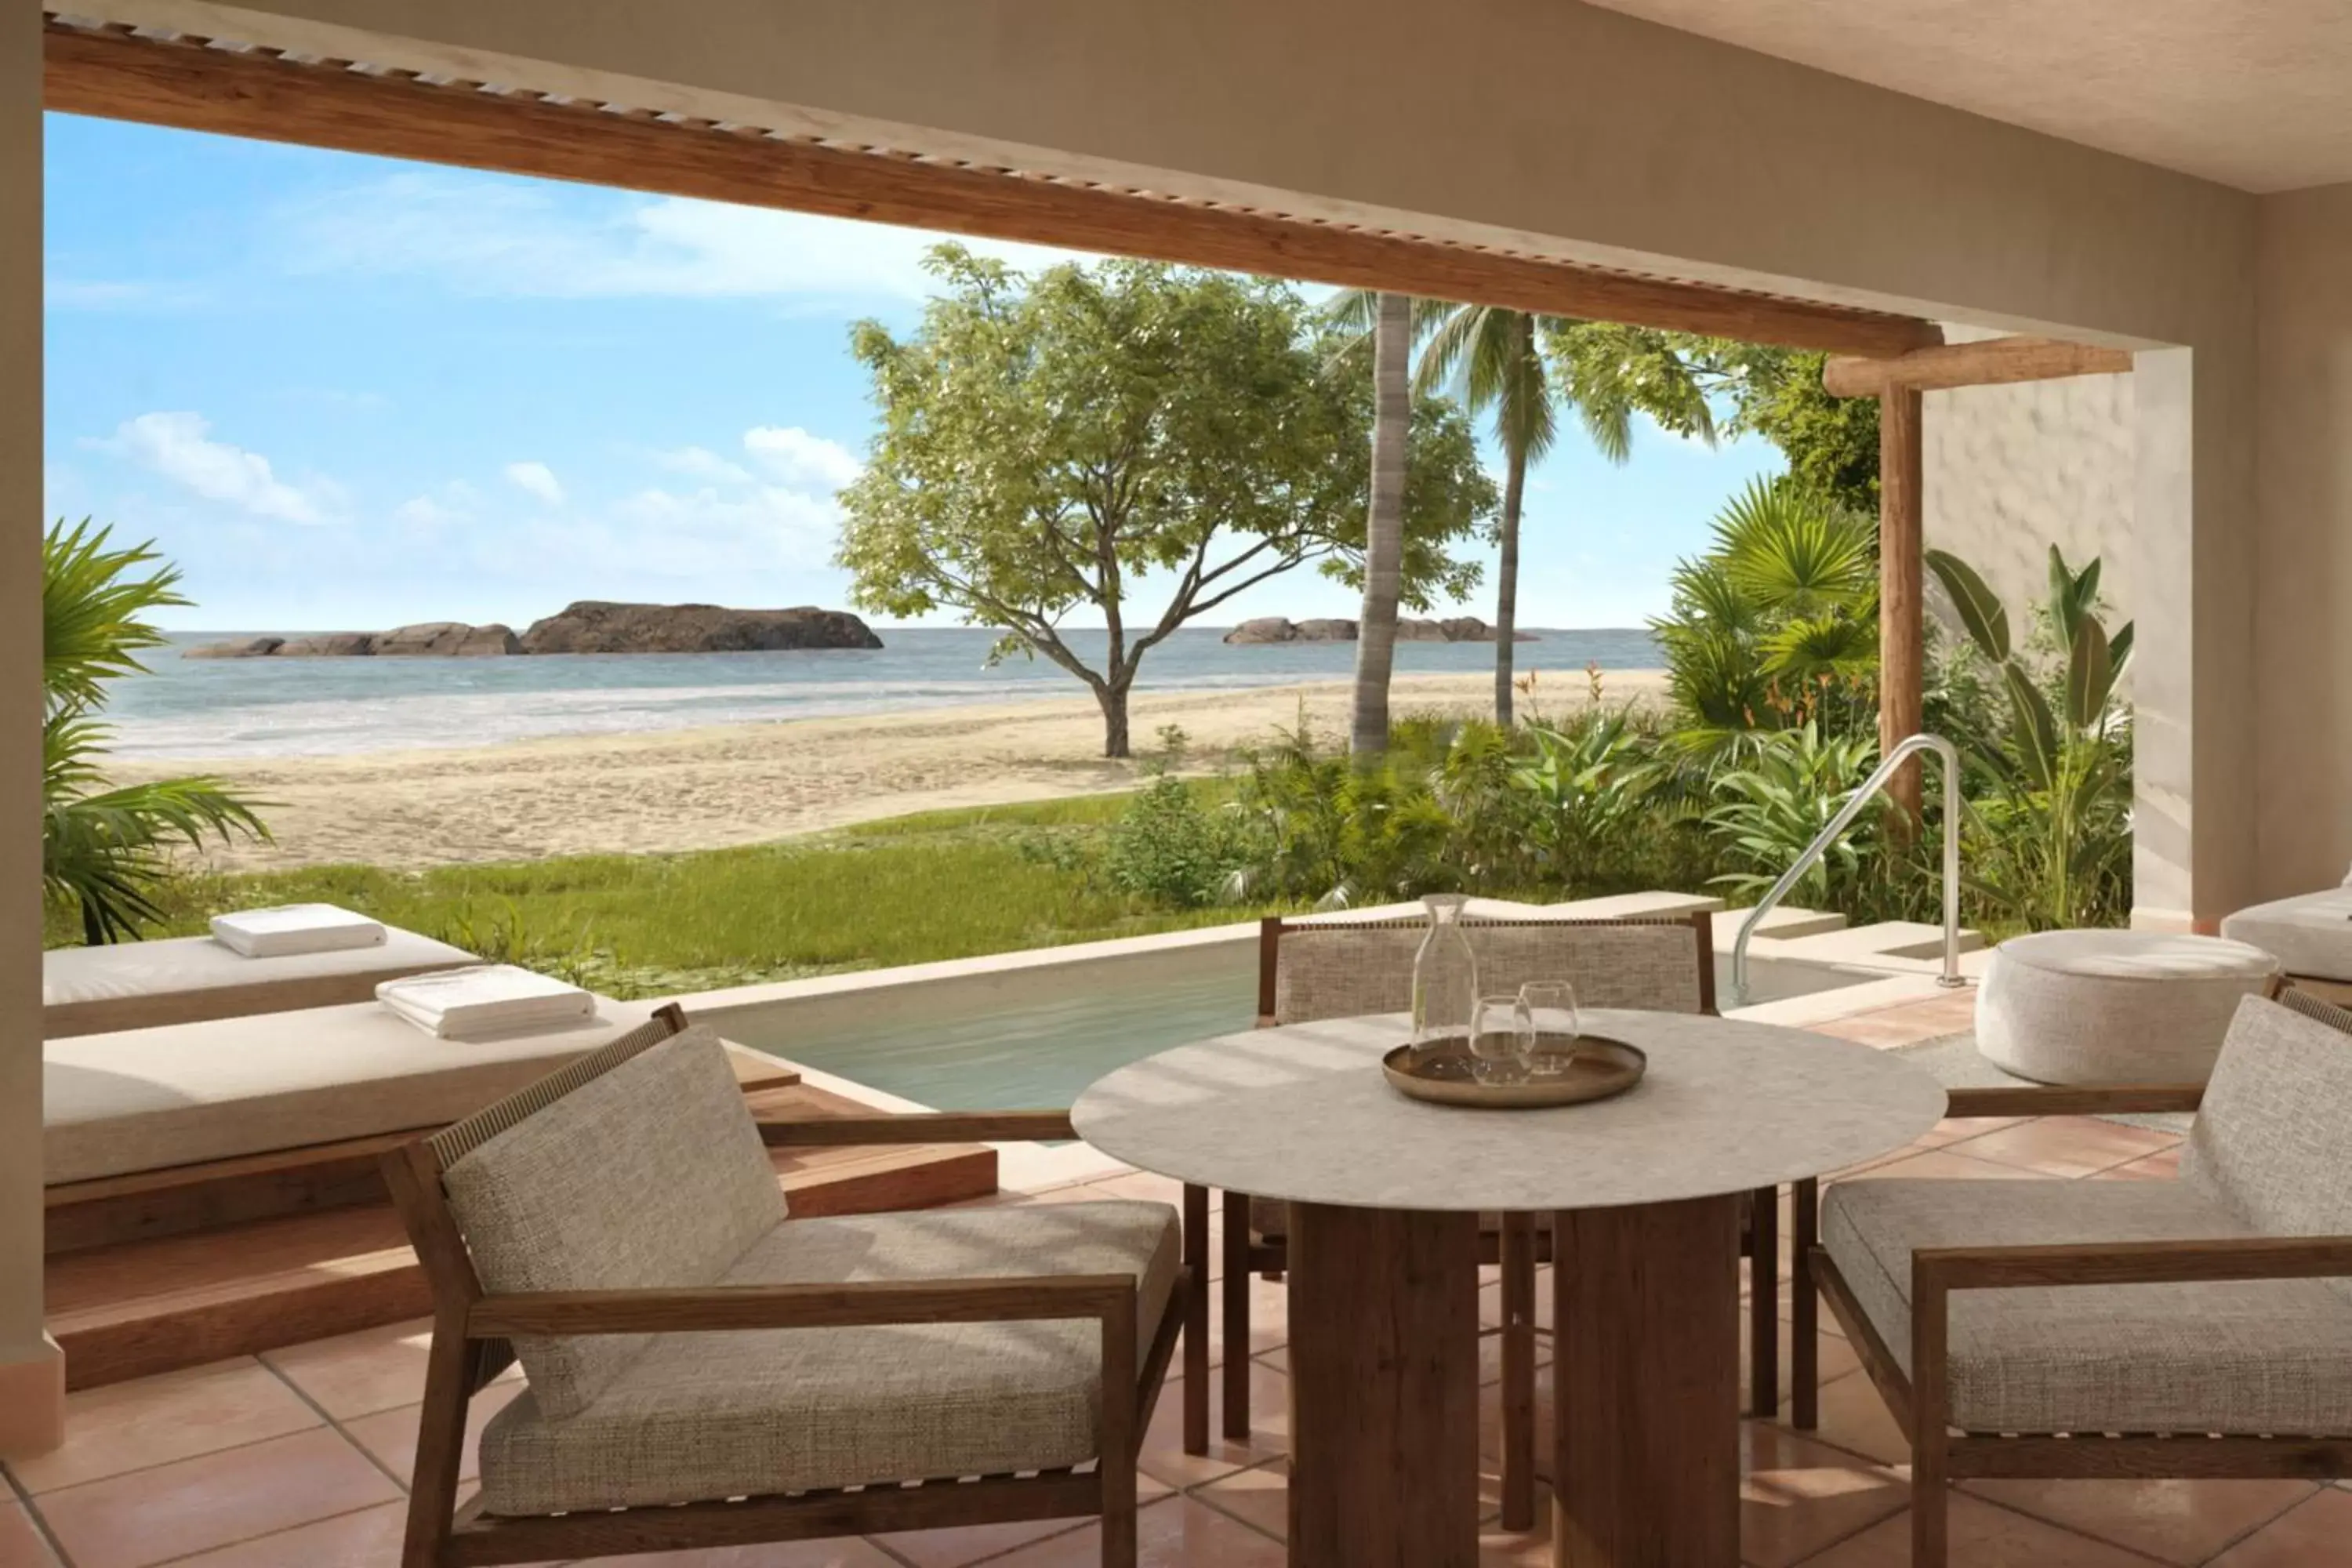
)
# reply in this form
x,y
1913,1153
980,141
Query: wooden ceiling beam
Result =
x,y
259,94
1992,362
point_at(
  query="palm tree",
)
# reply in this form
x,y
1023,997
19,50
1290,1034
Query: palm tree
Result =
x,y
105,851
1392,333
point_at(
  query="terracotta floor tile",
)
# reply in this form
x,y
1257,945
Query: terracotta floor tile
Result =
x,y
2183,1522
844,1553
955,1547
1163,1456
2066,1145
1855,1419
2163,1165
1259,1497
21,1545
1982,1536
1798,1497
2316,1535
126,1426
391,1434
1269,1320
1952,1129
1837,1357
368,1539
1176,1533
196,1505
360,1373
1945,1164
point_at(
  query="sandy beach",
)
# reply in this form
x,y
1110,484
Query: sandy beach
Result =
x,y
702,789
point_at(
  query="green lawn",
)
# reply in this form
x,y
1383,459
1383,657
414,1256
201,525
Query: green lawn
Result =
x,y
939,885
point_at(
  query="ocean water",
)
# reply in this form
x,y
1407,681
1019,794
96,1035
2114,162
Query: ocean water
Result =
x,y
311,707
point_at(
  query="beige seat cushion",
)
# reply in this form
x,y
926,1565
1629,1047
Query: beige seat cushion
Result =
x,y
2310,934
699,1417
2267,1357
188,979
652,1176
147,1099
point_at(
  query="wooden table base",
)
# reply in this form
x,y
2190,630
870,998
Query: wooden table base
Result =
x,y
1645,1383
1384,1388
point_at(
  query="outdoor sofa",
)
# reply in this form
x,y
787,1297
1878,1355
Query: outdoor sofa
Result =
x,y
188,979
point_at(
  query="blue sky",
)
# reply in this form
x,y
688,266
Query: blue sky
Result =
x,y
347,393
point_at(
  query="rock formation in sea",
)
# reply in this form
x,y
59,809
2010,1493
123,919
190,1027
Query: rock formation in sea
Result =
x,y
595,625
1457,628
590,625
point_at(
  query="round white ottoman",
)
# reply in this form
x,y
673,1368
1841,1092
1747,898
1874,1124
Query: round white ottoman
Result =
x,y
2114,1007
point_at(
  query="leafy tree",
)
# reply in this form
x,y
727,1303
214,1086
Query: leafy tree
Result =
x,y
104,851
1048,440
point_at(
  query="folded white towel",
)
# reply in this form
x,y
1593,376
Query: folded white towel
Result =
x,y
295,928
491,998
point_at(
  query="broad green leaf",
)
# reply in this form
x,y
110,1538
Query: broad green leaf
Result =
x,y
2032,728
2119,648
2090,675
2062,612
1980,611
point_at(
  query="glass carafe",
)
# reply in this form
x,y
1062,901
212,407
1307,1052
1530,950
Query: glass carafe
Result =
x,y
1444,978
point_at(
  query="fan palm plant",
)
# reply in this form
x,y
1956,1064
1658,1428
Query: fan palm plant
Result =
x,y
1776,626
105,850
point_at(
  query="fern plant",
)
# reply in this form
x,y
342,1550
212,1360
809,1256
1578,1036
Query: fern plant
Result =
x,y
105,848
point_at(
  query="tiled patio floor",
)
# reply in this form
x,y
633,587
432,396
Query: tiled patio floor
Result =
x,y
298,1458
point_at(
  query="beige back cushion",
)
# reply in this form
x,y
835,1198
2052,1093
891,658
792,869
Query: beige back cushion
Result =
x,y
2274,1137
1345,971
651,1175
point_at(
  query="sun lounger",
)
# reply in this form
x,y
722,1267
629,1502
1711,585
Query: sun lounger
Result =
x,y
186,980
2310,934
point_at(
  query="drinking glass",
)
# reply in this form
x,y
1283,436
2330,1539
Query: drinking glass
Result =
x,y
1501,1041
1550,1008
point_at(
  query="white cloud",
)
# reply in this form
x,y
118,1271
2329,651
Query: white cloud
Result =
x,y
702,463
800,459
178,447
537,478
425,513
484,235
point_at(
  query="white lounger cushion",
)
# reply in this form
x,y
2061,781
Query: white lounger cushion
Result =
x,y
145,1099
704,1417
2310,935
182,980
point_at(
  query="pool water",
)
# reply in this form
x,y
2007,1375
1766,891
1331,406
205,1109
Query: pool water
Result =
x,y
1036,1041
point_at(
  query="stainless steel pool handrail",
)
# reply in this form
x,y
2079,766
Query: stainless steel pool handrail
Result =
x,y
1949,756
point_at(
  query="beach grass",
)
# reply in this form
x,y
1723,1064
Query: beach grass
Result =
x,y
911,890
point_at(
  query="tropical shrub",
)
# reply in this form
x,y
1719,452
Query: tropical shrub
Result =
x,y
2049,842
1783,798
1776,626
1168,848
105,850
1585,791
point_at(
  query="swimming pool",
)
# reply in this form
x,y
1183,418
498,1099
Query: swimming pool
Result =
x,y
1035,1034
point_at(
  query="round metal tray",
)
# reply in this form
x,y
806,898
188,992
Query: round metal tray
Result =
x,y
1565,1070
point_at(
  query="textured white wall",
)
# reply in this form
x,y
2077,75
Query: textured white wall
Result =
x,y
2011,470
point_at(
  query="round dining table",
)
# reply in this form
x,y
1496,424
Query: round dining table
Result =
x,y
1643,1192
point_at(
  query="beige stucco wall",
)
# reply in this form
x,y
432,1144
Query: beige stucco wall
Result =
x,y
1582,132
2011,470
31,1389
2303,627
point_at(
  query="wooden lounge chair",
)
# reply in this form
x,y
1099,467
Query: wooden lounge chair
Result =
x,y
188,979
2194,1328
1325,968
618,1228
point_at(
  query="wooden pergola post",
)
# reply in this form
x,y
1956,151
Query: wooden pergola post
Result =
x,y
1902,630
1898,383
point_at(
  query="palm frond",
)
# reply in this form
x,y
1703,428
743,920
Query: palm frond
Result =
x,y
91,610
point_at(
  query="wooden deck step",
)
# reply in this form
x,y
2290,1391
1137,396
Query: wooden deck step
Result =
x,y
144,1307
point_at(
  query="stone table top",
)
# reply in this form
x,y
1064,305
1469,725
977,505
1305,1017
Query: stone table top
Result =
x,y
1303,1113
